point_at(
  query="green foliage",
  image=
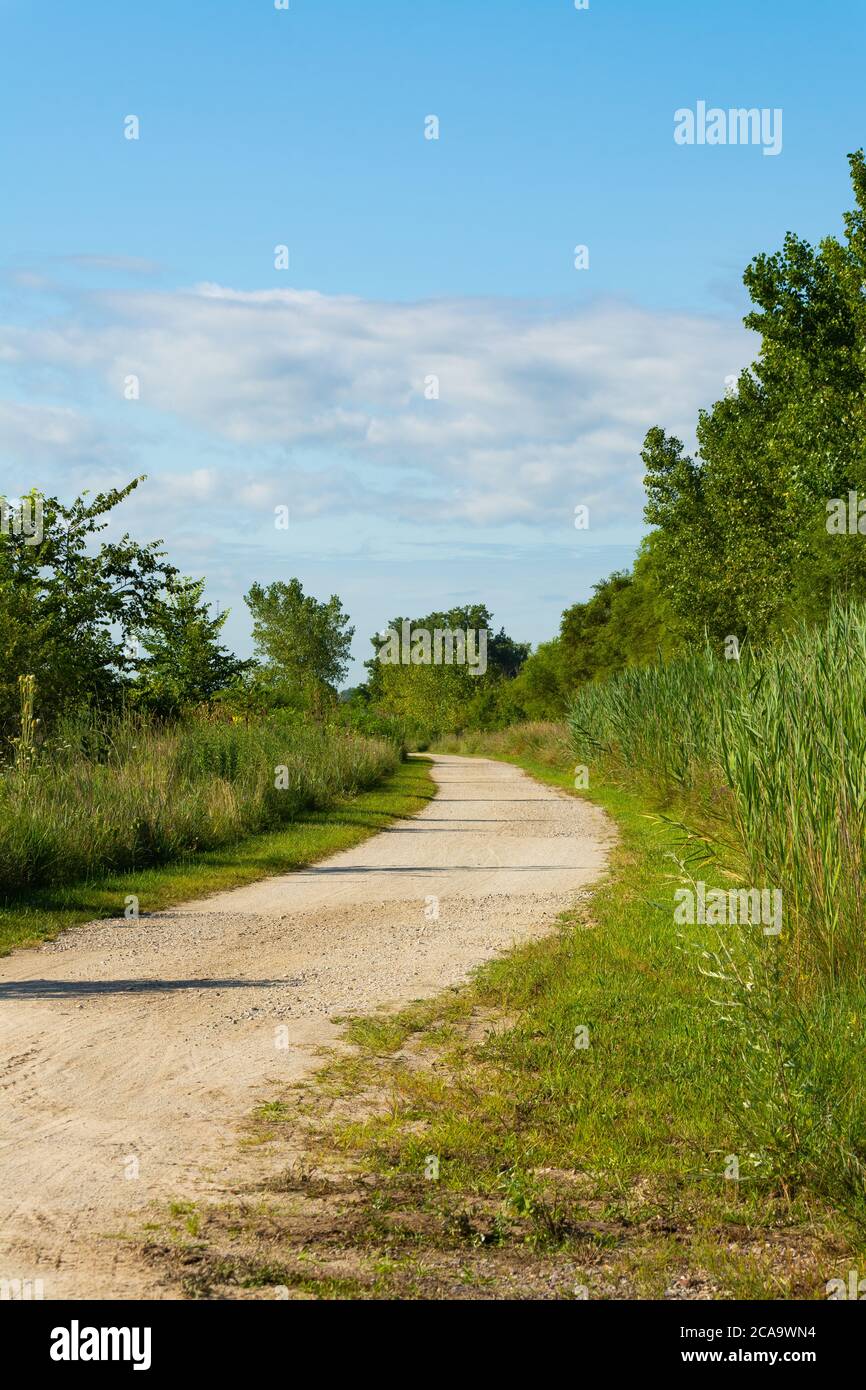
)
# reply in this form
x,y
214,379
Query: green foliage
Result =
x,y
185,664
628,621
65,605
304,643
427,697
742,545
540,688
359,716
25,743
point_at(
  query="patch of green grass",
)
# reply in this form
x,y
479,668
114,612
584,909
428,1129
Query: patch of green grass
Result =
x,y
273,1111
388,1033
42,914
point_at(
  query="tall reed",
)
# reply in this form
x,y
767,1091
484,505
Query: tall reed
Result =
x,y
773,747
775,744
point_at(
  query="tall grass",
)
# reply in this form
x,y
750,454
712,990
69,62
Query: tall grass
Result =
x,y
762,762
771,748
774,745
125,794
536,740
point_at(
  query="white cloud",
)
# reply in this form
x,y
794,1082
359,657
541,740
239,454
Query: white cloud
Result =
x,y
43,434
539,407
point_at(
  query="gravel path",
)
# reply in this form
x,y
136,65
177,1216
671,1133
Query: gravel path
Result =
x,y
132,1051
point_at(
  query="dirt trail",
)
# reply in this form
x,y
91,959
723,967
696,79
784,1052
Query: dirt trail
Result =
x,y
132,1051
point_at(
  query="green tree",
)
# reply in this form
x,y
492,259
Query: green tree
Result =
x,y
305,644
539,691
742,545
67,603
437,695
584,632
628,621
185,664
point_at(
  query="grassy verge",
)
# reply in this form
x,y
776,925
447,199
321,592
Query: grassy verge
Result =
x,y
792,1015
566,1126
41,914
106,796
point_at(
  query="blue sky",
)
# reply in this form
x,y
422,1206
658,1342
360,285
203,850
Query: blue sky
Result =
x,y
407,258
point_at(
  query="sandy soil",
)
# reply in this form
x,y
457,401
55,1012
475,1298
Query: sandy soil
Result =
x,y
133,1051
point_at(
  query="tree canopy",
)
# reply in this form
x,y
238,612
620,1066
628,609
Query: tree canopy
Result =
x,y
741,544
68,604
303,643
185,663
